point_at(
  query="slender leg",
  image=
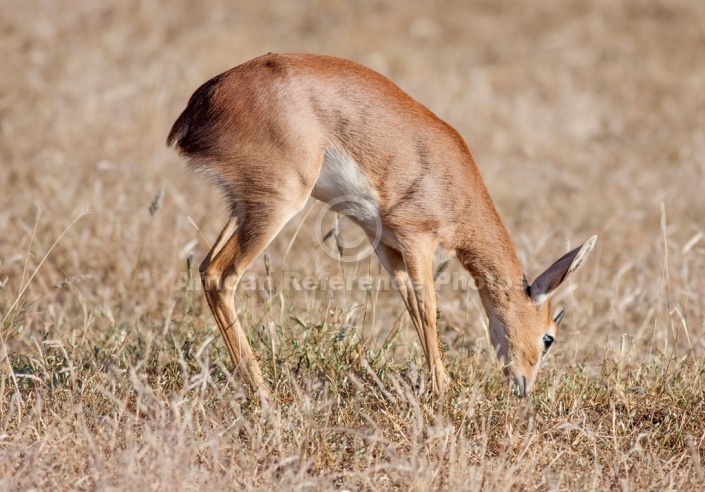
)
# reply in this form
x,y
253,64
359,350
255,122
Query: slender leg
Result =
x,y
236,248
413,275
225,234
393,262
419,264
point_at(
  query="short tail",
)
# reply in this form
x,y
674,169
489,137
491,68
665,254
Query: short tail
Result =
x,y
178,130
193,133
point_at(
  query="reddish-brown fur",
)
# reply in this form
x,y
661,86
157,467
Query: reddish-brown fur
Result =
x,y
260,131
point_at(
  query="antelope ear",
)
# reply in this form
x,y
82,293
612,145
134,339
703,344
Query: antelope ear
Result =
x,y
546,283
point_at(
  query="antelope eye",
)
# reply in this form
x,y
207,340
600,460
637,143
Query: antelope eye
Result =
x,y
547,342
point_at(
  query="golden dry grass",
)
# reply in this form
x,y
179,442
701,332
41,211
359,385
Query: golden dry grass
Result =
x,y
584,117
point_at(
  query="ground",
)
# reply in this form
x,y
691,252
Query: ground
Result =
x,y
585,117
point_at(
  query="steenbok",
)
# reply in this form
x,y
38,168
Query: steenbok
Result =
x,y
280,128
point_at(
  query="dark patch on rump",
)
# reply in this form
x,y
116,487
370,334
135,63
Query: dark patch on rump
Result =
x,y
273,65
193,132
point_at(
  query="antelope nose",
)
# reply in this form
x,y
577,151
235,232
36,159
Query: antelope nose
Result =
x,y
520,387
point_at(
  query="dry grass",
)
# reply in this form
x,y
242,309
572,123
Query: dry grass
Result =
x,y
585,117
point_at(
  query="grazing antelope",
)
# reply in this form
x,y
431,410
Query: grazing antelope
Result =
x,y
280,128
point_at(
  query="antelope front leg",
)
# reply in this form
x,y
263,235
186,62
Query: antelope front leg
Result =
x,y
420,269
420,302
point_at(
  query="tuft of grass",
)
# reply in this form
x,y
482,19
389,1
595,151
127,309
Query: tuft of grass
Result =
x,y
343,417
